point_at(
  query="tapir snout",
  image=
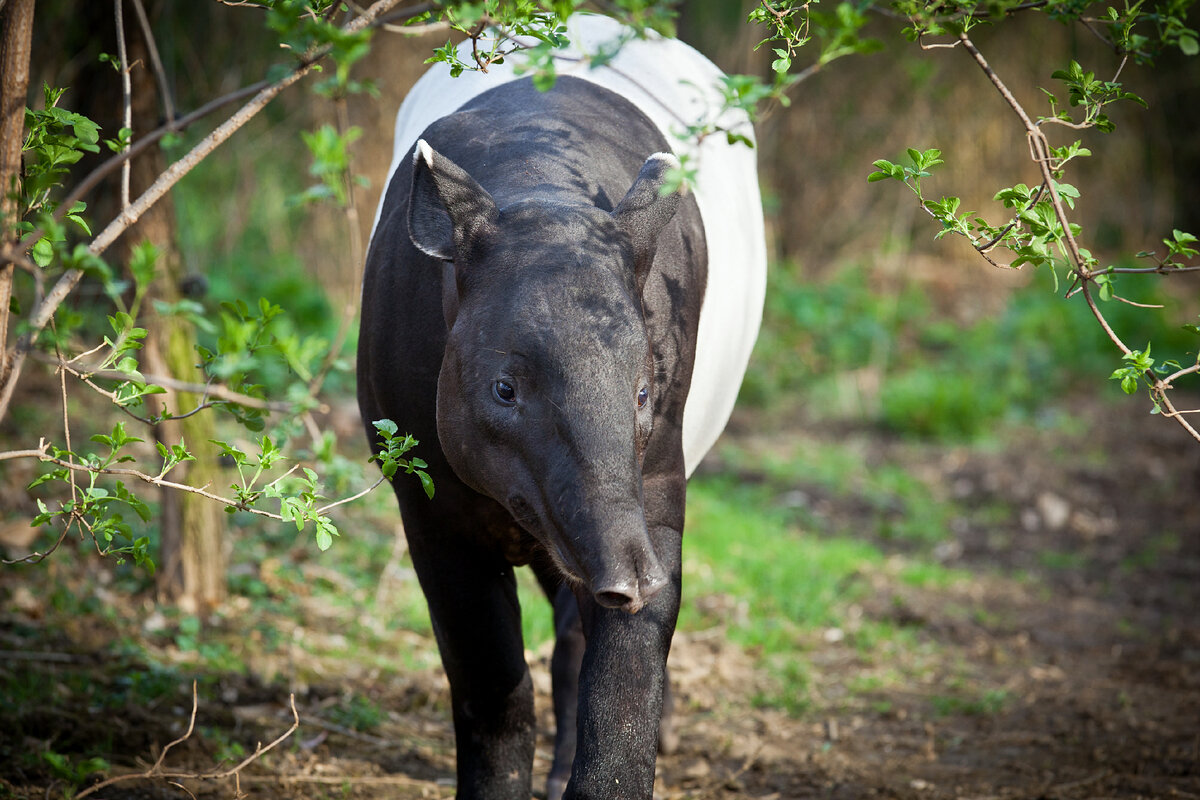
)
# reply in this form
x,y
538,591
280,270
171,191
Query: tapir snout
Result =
x,y
622,571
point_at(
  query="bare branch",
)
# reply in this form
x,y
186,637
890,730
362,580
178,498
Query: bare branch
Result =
x,y
1138,305
1161,269
1160,394
353,497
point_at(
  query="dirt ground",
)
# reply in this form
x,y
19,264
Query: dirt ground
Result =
x,y
1080,679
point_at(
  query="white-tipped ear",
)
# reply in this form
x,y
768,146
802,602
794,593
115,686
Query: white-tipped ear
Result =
x,y
669,161
447,209
423,151
645,210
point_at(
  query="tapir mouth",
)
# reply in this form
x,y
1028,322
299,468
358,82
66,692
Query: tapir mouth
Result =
x,y
623,573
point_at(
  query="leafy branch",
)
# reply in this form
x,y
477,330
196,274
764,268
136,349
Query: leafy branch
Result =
x,y
1040,231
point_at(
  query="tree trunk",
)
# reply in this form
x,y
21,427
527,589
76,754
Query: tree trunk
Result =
x,y
16,32
192,559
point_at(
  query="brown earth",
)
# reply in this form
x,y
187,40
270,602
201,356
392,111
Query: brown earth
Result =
x,y
1067,665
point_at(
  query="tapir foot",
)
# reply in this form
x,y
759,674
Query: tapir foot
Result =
x,y
555,787
668,737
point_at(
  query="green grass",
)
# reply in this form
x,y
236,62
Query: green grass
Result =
x,y
890,502
990,702
932,377
739,545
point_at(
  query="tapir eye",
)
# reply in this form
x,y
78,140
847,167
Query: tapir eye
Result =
x,y
505,392
643,396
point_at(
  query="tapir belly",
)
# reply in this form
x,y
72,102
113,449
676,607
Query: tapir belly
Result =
x,y
674,86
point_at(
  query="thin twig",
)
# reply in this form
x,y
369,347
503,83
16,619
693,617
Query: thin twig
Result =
x,y
160,74
126,95
352,498
66,418
1195,368
1138,305
41,453
1161,269
216,391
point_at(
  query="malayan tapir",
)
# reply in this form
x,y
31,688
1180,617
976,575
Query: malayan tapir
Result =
x,y
566,340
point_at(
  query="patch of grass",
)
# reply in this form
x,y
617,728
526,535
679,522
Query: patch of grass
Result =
x,y
876,638
738,545
931,377
1159,547
940,403
537,616
927,575
790,679
360,713
991,701
893,503
1061,560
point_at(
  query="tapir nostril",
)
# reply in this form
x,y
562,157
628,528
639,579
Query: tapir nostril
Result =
x,y
624,600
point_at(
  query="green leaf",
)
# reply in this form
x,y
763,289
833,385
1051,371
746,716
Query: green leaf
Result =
x,y
426,483
43,252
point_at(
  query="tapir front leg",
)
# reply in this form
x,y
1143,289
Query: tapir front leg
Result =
x,y
565,665
621,691
476,617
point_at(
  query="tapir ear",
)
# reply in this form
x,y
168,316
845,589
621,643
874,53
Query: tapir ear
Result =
x,y
645,211
447,209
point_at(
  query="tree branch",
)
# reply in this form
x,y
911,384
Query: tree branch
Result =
x,y
41,453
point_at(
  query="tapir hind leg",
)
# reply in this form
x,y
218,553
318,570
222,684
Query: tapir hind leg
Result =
x,y
472,598
564,679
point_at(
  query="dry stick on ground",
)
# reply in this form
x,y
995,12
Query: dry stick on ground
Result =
x,y
156,771
40,316
1040,153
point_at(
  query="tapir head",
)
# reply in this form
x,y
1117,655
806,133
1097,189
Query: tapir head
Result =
x,y
545,394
